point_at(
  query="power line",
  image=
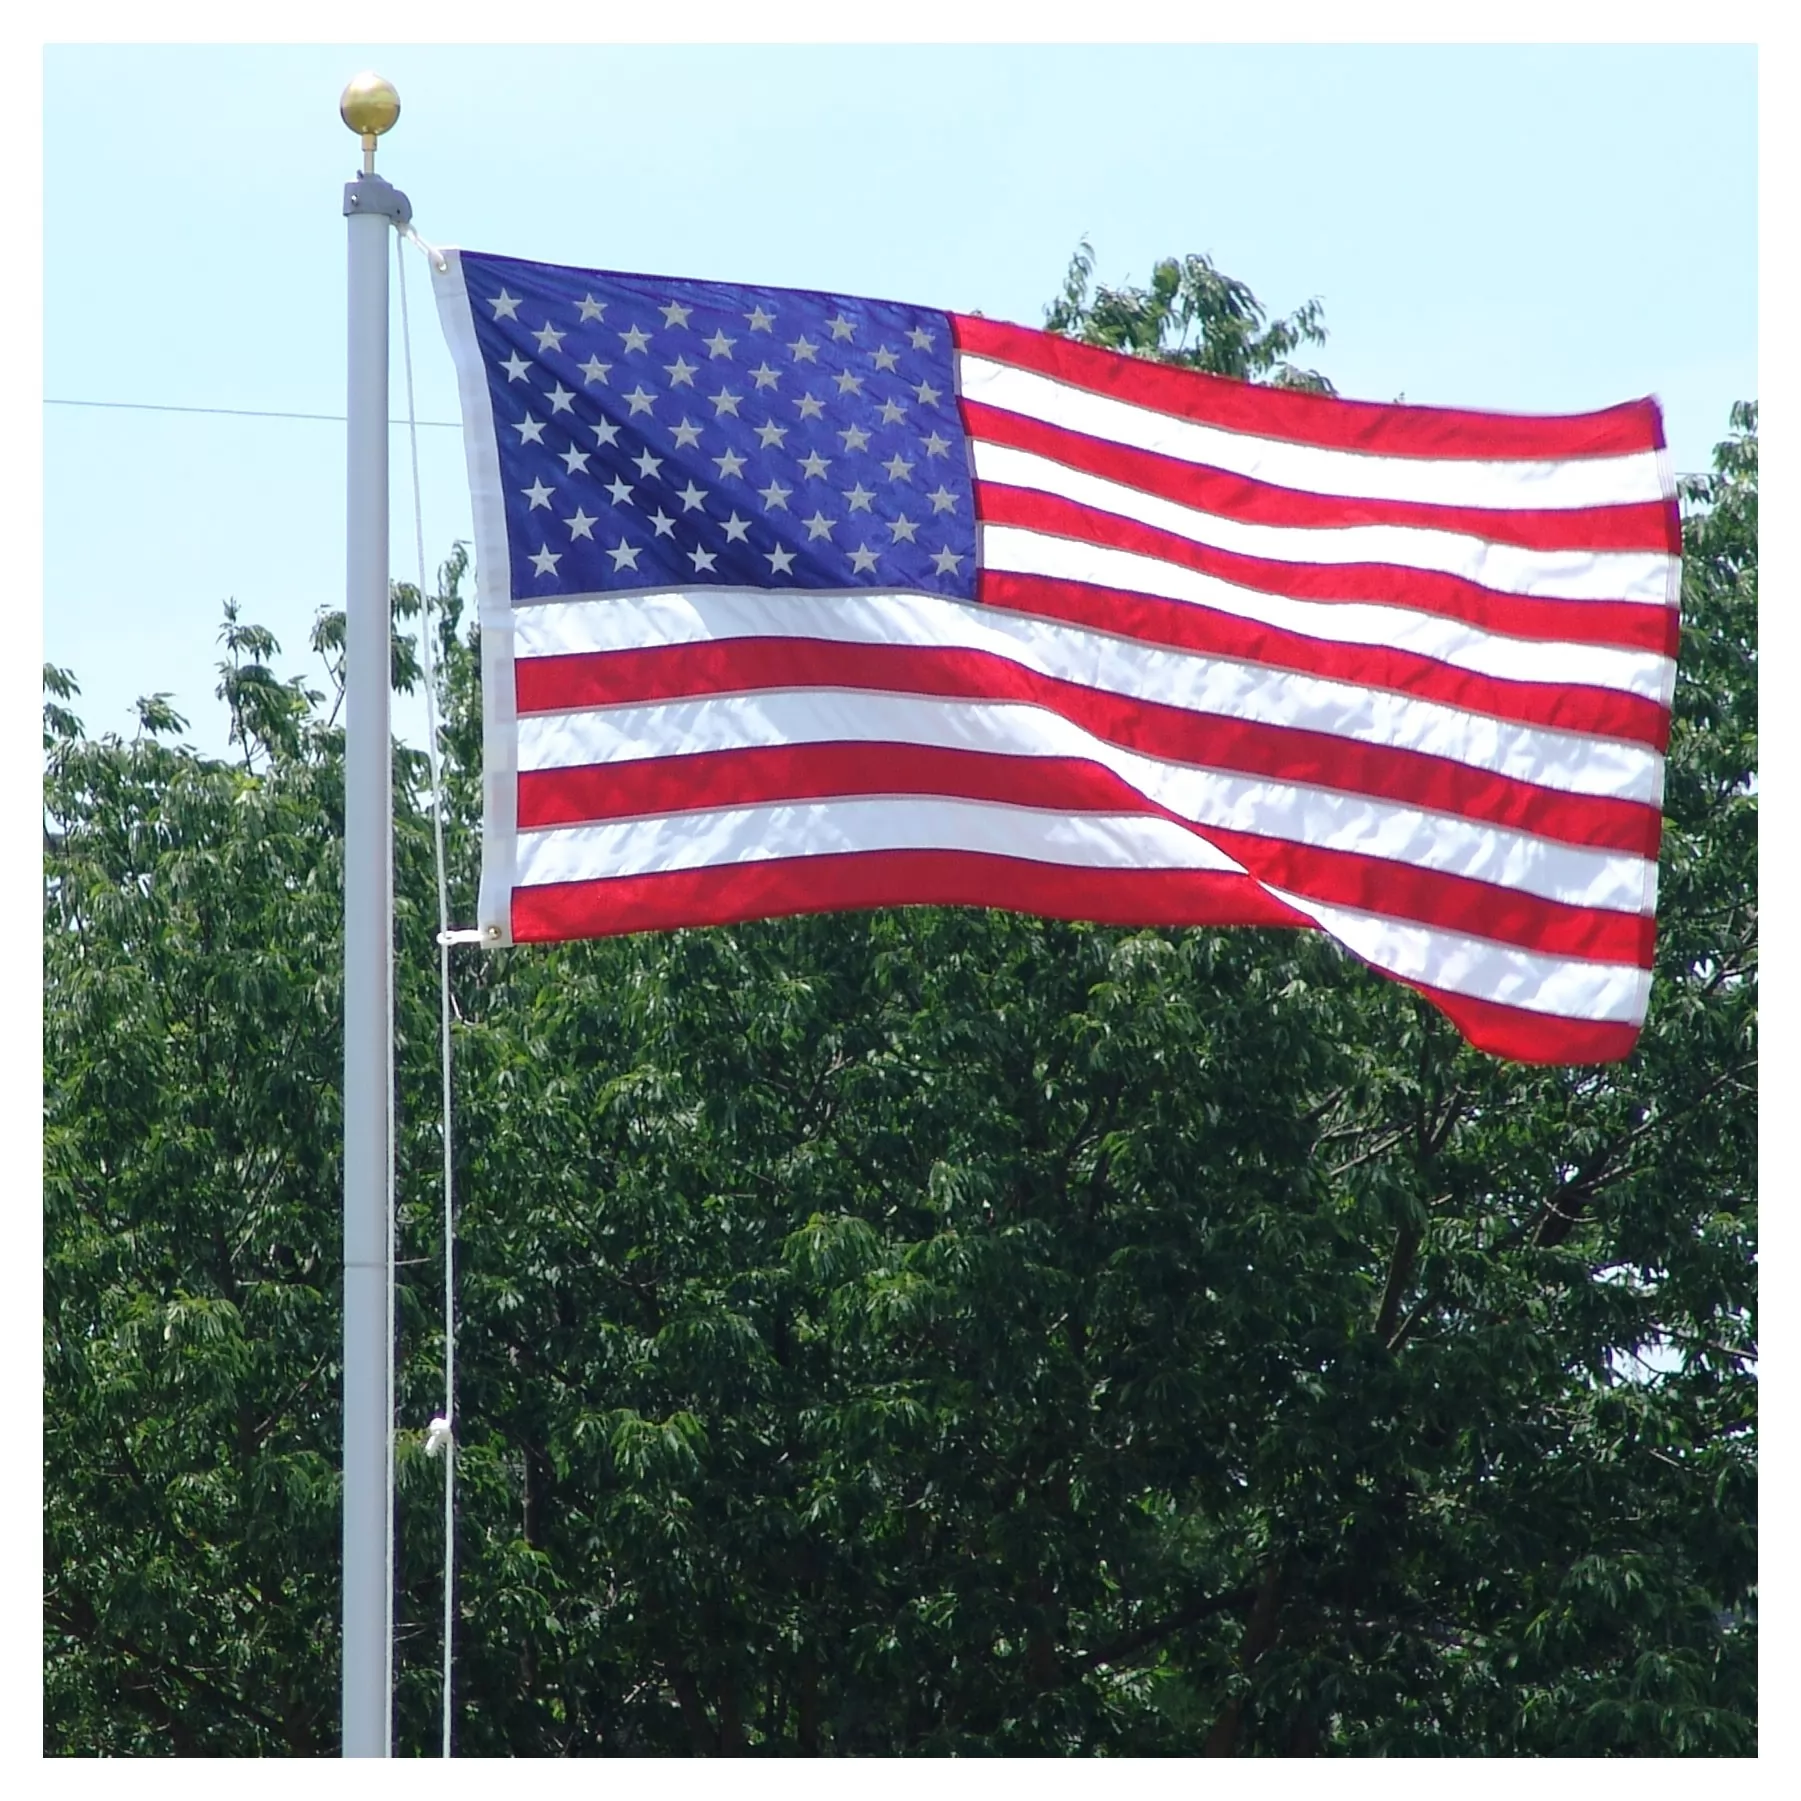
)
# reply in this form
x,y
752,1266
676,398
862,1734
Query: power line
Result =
x,y
244,412
230,412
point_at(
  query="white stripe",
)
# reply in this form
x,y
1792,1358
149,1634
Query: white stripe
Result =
x,y
1321,818
1353,474
740,835
1633,575
709,839
1478,967
1567,761
1018,551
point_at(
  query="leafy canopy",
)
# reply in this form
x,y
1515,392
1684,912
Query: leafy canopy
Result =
x,y
909,1331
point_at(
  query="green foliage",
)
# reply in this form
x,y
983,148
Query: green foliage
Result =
x,y
924,1331
192,923
1191,315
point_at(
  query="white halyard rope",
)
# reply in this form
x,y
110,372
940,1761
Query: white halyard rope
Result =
x,y
440,1437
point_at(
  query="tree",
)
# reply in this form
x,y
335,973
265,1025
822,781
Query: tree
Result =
x,y
192,931
1191,315
925,1330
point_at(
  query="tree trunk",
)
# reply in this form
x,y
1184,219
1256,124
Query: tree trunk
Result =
x,y
1259,1635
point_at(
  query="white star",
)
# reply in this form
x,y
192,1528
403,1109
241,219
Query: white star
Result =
x,y
537,494
594,370
944,562
803,351
855,437
581,526
719,344
780,560
691,496
943,500
530,431
884,358
560,399
819,526
920,338
729,464
675,314
764,376
624,555
810,408
606,432
590,308
935,445
515,366
725,401
663,524
859,498
903,527
575,460
862,560
893,412
545,561
550,338
647,464
772,434
760,320
814,465
848,383
926,394
841,328
633,339
506,307
703,561
775,495
641,401
736,528
620,489
685,434
898,468
681,372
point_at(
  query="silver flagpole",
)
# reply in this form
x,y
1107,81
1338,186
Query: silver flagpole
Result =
x,y
369,107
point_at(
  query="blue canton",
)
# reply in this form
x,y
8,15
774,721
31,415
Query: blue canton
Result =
x,y
669,434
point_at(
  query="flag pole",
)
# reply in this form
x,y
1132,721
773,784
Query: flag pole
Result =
x,y
369,106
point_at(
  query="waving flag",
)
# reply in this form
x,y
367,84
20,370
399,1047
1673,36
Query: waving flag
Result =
x,y
795,601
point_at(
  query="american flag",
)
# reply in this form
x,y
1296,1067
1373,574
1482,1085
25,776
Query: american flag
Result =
x,y
795,601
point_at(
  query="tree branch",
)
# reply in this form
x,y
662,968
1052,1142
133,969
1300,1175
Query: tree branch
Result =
x,y
1400,1273
1145,1636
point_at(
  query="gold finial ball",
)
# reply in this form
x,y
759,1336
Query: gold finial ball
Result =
x,y
369,105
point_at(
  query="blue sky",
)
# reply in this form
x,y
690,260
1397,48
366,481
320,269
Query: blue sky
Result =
x,y
1517,227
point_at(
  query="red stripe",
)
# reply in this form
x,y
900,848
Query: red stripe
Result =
x,y
655,786
1645,525
658,787
1624,624
1447,903
1399,431
914,878
706,897
1531,1037
1598,712
1211,741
